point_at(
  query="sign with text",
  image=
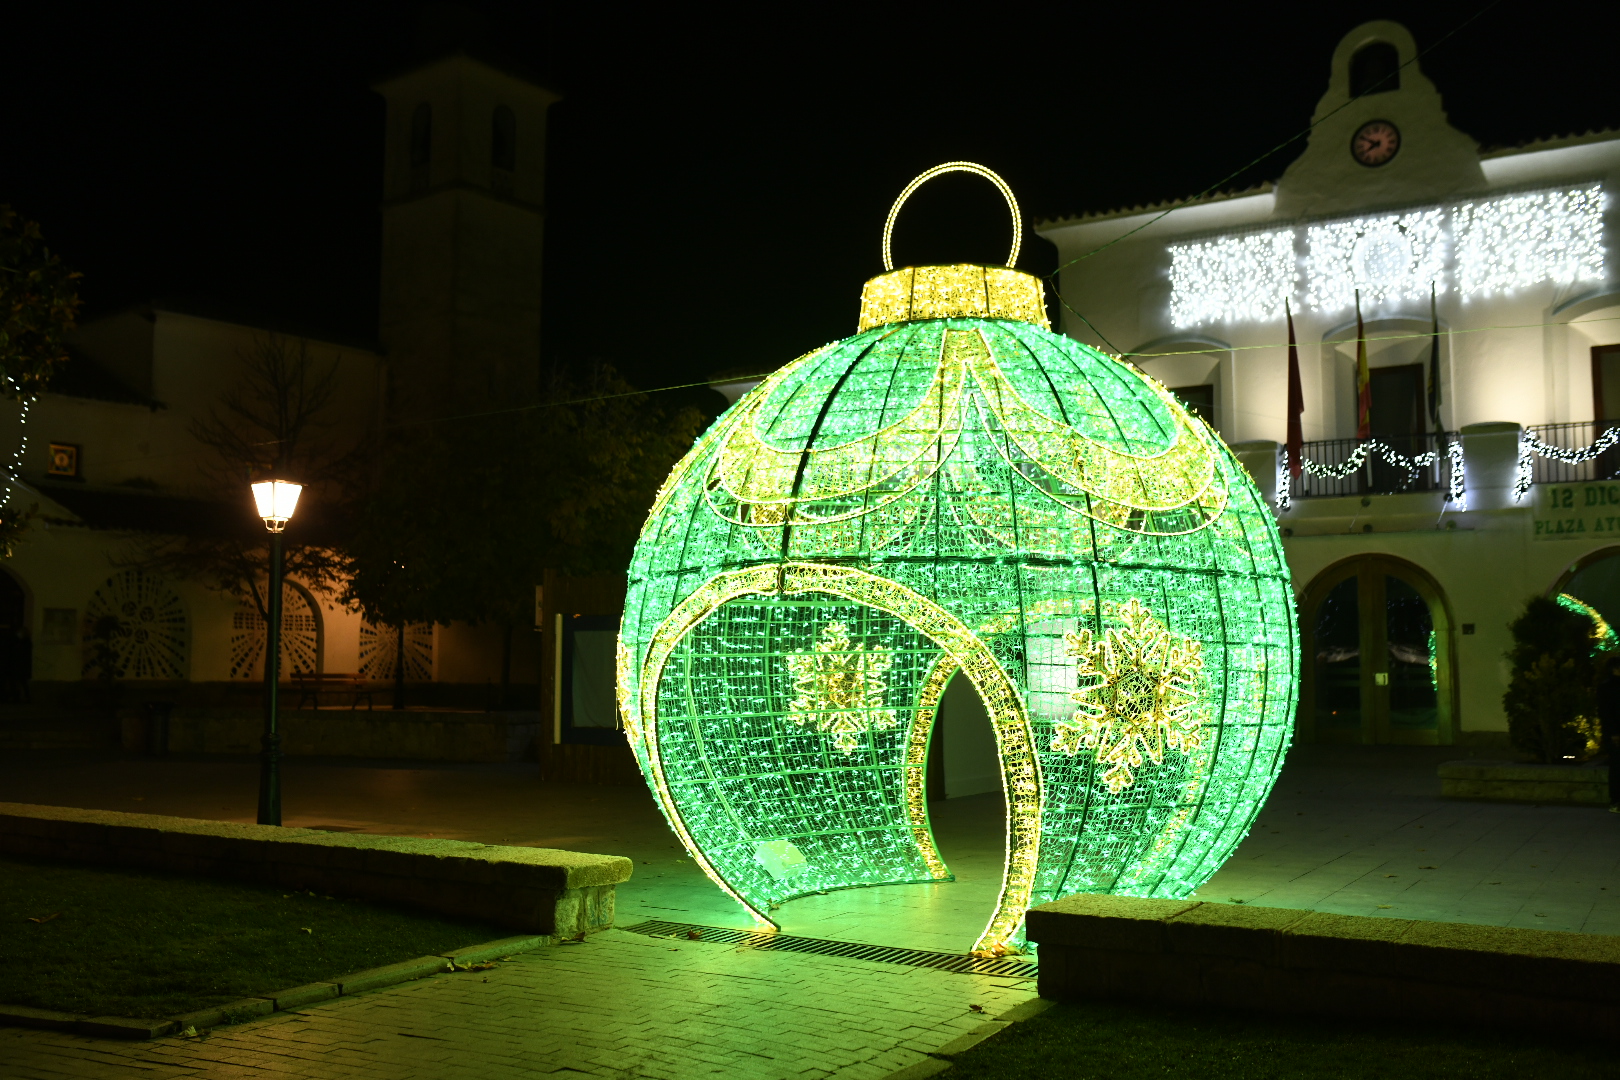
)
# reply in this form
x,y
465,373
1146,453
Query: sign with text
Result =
x,y
1577,511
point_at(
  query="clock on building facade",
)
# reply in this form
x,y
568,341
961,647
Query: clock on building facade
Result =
x,y
1375,143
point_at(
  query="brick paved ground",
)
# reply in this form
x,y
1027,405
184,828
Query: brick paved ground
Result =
x,y
1351,830
1364,831
1355,830
621,1005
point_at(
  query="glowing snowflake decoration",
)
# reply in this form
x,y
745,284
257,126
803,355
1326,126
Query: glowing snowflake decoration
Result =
x,y
841,687
1138,688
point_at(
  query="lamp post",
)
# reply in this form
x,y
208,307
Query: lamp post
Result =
x,y
276,500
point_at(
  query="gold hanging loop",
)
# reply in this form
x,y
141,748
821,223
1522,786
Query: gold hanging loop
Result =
x,y
940,170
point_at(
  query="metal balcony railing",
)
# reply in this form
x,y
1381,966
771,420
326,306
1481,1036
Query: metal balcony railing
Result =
x,y
1550,470
1387,466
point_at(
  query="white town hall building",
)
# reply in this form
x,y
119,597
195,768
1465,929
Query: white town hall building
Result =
x,y
1407,573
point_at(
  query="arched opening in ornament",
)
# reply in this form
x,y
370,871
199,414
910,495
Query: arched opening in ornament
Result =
x,y
792,738
966,808
1376,633
962,753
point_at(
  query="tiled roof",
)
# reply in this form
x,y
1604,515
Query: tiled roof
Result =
x,y
1149,208
1550,142
82,377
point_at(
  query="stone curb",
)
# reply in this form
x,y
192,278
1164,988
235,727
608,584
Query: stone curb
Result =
x,y
939,1060
529,890
119,1027
1301,962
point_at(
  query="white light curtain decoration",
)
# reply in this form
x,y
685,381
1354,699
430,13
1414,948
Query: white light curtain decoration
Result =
x,y
1474,249
1232,278
1524,240
1391,258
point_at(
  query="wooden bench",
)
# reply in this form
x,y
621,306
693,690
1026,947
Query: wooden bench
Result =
x,y
311,686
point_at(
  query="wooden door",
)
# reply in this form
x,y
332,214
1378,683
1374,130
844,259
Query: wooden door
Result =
x,y
1378,656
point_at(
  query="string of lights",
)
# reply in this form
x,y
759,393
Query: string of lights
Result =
x,y
1117,353
1125,354
15,464
1532,446
1456,489
1471,249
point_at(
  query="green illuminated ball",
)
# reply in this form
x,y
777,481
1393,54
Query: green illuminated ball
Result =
x,y
959,494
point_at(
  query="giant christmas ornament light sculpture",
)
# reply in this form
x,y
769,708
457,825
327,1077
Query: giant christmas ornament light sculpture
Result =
x,y
958,489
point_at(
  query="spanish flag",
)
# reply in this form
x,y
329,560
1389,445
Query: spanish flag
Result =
x,y
1363,379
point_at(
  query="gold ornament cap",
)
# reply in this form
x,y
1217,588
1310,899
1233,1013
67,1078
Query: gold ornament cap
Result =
x,y
960,290
963,290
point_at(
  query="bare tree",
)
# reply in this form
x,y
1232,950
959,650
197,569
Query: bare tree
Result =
x,y
278,420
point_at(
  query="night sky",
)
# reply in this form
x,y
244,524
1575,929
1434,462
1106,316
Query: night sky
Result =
x,y
717,186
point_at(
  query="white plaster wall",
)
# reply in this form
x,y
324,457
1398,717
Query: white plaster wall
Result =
x,y
61,566
1521,356
1486,567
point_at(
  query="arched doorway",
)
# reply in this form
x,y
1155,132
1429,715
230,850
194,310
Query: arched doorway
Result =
x,y
135,627
1594,579
1376,637
302,636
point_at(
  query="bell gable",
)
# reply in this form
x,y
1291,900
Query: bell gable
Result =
x,y
1381,136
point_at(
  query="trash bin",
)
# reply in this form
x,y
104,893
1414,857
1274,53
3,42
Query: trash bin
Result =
x,y
156,715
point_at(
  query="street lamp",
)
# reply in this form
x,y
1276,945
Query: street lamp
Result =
x,y
276,500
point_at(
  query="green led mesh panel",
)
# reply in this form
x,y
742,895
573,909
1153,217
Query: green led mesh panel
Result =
x,y
973,494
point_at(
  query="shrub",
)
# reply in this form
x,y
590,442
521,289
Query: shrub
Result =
x,y
1551,700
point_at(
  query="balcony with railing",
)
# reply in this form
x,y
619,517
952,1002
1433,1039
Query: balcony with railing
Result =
x,y
1545,469
1389,466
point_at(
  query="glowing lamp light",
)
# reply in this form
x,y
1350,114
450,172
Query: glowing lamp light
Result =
x,y
956,491
276,500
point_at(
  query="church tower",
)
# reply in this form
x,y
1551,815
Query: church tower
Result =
x,y
463,228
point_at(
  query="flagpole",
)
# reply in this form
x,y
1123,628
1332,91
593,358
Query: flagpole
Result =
x,y
1296,400
1363,378
1434,363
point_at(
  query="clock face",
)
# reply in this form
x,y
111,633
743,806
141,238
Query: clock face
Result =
x,y
1375,142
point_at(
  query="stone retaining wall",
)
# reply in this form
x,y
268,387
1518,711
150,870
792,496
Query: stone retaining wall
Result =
x,y
1574,785
535,890
1281,960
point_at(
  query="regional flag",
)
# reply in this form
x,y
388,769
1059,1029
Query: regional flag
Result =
x,y
1296,401
1363,378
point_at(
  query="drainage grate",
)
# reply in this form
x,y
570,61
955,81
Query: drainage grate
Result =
x,y
1022,967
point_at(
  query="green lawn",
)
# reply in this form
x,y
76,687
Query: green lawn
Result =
x,y
1094,1041
152,945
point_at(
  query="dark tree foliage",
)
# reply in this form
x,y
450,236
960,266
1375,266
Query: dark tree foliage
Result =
x,y
1551,699
39,299
467,514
